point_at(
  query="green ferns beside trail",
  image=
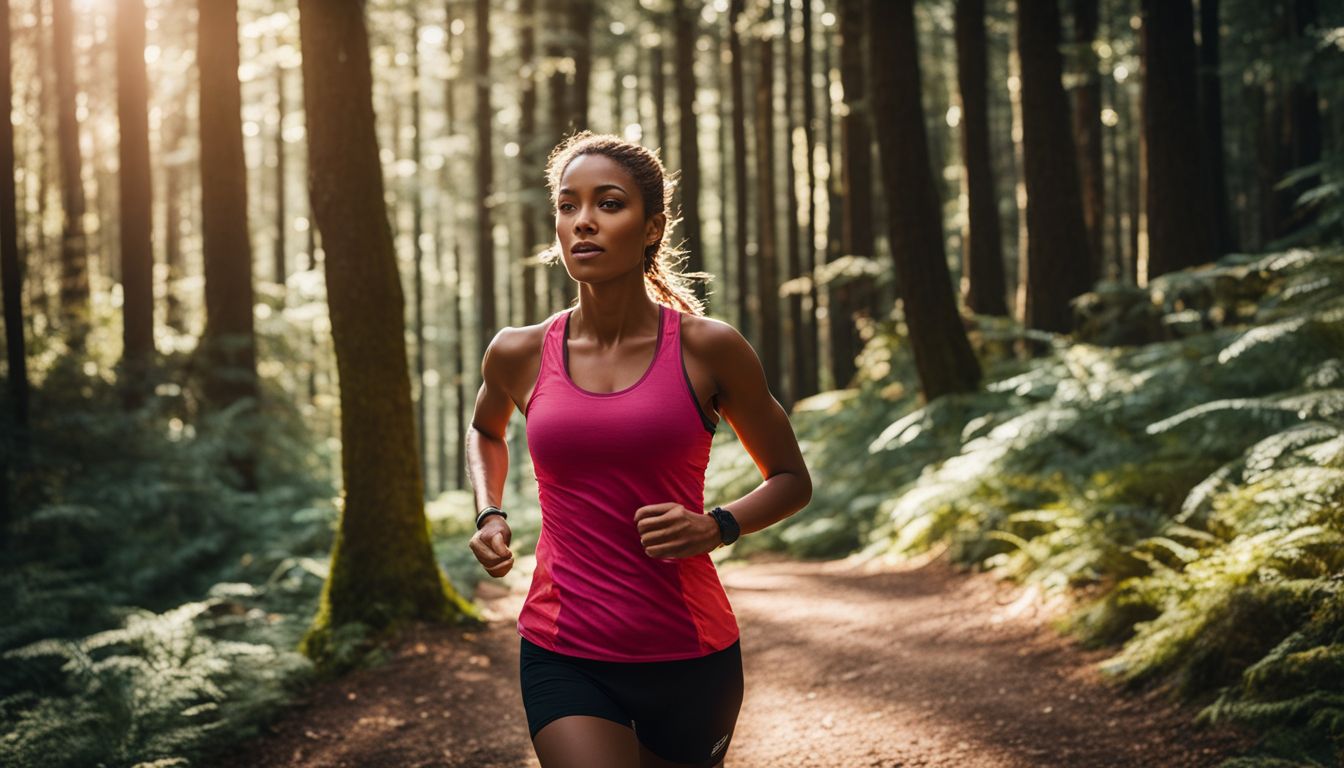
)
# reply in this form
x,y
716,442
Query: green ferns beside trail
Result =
x,y
1195,483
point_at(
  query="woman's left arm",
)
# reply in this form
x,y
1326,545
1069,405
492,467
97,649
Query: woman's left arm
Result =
x,y
763,428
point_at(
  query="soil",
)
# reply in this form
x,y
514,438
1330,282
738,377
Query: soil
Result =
x,y
847,664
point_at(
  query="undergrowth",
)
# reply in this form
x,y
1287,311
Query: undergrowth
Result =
x,y
1193,483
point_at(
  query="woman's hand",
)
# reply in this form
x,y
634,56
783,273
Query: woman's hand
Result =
x,y
490,545
671,530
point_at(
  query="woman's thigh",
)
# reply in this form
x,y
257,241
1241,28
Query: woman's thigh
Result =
x,y
585,741
685,712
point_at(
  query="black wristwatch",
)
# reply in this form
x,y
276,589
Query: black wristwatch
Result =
x,y
490,510
728,527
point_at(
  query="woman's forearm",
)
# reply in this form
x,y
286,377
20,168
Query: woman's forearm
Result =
x,y
774,499
487,465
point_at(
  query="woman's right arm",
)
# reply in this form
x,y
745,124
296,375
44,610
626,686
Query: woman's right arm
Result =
x,y
488,453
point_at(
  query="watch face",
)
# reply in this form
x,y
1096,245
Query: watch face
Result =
x,y
728,528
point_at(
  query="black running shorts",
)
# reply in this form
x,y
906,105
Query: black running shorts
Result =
x,y
683,711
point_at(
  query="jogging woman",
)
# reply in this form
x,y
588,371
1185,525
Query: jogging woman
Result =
x,y
630,653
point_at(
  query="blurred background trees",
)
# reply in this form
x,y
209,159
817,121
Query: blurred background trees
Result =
x,y
208,300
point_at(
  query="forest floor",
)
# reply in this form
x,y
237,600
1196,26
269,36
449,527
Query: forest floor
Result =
x,y
847,665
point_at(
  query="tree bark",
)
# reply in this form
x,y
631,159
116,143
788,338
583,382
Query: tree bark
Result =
x,y
982,254
383,571
857,237
794,248
942,352
15,348
458,352
722,301
1299,126
836,300
1058,264
417,230
659,86
172,222
745,322
136,199
1211,127
810,384
585,11
281,212
560,93
1176,203
74,293
532,160
1087,127
228,345
485,242
767,258
684,19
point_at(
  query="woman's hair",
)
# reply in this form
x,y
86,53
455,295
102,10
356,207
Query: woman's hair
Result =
x,y
665,284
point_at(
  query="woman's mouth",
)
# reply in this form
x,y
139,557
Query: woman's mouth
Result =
x,y
585,250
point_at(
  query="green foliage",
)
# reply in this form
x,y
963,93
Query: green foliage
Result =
x,y
124,520
1194,484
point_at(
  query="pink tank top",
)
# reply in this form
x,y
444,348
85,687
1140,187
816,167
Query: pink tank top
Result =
x,y
598,458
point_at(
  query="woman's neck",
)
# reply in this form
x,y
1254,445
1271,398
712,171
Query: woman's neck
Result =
x,y
611,312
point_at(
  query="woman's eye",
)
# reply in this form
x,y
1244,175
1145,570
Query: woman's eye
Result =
x,y
564,207
615,204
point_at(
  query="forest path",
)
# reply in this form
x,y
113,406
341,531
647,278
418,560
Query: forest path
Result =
x,y
847,665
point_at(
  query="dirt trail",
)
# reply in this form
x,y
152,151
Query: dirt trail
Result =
x,y
846,665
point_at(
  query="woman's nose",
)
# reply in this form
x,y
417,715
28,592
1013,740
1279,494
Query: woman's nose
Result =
x,y
584,221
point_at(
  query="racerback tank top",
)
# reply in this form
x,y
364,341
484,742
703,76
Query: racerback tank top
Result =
x,y
599,457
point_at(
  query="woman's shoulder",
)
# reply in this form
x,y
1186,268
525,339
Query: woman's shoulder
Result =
x,y
713,340
517,348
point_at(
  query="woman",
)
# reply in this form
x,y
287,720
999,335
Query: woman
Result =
x,y
629,649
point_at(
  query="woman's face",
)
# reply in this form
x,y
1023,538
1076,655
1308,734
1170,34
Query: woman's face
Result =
x,y
599,220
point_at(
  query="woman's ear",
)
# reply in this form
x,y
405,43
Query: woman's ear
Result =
x,y
653,229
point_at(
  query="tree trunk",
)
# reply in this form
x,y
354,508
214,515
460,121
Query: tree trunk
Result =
x,y
1299,139
685,21
1058,264
417,230
982,247
459,334
485,243
172,221
9,263
1211,128
659,86
797,329
560,94
137,250
811,352
1178,236
1087,127
383,571
942,353
584,13
836,299
33,267
229,343
767,258
74,247
532,160
281,213
857,237
1138,184
745,323
722,300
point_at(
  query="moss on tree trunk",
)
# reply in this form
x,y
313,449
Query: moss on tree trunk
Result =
x,y
383,571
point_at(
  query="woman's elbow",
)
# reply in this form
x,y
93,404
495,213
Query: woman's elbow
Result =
x,y
805,488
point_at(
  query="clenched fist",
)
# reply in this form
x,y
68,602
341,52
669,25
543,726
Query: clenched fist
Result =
x,y
490,545
671,530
